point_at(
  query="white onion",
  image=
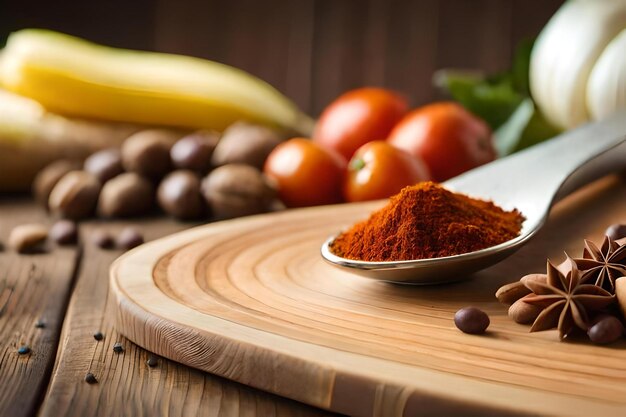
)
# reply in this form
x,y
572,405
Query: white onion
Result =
x,y
606,89
565,55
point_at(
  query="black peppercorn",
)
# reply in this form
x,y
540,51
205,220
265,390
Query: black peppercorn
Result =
x,y
152,361
23,350
90,378
118,348
98,336
40,324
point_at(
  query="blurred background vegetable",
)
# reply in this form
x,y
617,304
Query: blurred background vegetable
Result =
x,y
31,137
305,173
357,117
379,170
498,110
69,75
577,68
502,100
449,139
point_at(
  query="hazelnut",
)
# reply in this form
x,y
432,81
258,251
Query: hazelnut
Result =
x,y
179,195
75,195
148,152
27,237
246,144
129,238
104,164
126,195
102,239
194,151
236,190
48,177
64,232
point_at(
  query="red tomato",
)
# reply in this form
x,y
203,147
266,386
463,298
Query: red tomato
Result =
x,y
306,173
357,117
378,170
447,137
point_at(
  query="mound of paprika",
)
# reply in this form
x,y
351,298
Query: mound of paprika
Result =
x,y
427,221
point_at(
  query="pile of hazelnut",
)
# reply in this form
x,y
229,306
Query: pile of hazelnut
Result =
x,y
197,176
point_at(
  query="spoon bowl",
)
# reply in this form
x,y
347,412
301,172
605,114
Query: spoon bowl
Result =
x,y
530,181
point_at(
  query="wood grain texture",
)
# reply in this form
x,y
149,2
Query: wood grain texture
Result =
x,y
253,301
311,50
314,50
32,288
126,385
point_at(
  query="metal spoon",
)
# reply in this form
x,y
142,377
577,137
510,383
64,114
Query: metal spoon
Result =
x,y
531,181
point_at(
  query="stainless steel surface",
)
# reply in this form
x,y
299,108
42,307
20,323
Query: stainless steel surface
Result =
x,y
531,181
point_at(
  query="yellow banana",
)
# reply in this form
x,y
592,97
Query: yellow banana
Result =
x,y
74,77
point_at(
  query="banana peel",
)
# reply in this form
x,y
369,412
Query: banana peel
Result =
x,y
71,76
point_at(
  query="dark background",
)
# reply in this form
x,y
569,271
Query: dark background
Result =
x,y
312,50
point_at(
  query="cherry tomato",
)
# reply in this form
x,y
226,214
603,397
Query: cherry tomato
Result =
x,y
306,173
357,117
447,137
378,170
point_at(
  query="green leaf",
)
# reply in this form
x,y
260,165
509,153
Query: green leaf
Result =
x,y
502,100
520,69
526,127
492,99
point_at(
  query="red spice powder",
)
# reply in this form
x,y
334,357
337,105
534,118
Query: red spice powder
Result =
x,y
427,221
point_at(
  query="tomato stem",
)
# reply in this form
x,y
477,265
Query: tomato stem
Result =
x,y
357,164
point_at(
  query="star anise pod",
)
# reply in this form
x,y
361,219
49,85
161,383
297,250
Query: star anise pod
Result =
x,y
566,302
602,266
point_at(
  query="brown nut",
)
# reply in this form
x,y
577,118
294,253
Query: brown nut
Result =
x,y
148,152
606,330
616,231
471,320
541,278
620,294
104,164
75,195
27,237
48,177
194,151
64,232
179,195
522,312
236,190
245,143
126,195
510,293
276,205
129,238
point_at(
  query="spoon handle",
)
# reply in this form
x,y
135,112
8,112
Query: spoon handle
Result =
x,y
533,179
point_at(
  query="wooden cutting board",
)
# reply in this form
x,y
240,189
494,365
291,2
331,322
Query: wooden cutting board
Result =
x,y
253,301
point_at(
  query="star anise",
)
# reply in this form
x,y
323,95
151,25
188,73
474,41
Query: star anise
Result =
x,y
602,266
566,302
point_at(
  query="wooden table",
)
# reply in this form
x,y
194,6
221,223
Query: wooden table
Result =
x,y
66,289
